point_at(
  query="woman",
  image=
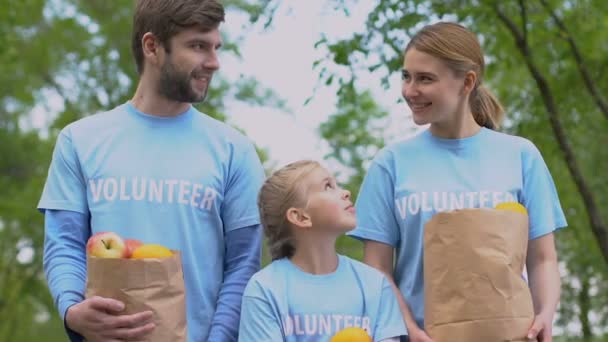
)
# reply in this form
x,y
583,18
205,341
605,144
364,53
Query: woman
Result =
x,y
460,161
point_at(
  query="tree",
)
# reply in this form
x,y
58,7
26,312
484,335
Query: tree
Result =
x,y
64,60
546,61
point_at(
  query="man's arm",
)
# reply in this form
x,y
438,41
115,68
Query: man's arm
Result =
x,y
64,261
243,251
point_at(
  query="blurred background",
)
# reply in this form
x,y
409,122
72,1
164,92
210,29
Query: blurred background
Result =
x,y
312,79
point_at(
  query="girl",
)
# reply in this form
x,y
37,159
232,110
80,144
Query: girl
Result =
x,y
309,292
459,161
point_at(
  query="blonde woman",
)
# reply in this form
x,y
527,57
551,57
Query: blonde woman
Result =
x,y
459,162
309,292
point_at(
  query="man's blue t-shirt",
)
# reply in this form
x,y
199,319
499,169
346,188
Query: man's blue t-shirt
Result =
x,y
410,181
284,303
183,182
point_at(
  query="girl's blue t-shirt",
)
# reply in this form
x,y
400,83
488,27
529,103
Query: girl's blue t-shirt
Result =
x,y
284,303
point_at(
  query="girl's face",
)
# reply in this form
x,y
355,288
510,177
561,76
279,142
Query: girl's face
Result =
x,y
329,206
433,92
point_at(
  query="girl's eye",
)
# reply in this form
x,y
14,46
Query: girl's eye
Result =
x,y
405,76
329,185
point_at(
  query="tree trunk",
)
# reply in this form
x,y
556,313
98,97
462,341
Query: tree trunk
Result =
x,y
584,304
580,62
598,227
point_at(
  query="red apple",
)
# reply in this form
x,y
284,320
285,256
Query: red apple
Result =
x,y
107,245
132,244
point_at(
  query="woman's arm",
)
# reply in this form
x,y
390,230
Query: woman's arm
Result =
x,y
545,285
380,256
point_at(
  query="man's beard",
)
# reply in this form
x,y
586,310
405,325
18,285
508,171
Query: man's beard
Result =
x,y
175,85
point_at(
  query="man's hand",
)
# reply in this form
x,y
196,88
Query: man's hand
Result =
x,y
99,319
541,329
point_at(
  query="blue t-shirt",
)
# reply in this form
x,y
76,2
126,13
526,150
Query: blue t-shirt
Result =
x,y
410,181
183,181
284,303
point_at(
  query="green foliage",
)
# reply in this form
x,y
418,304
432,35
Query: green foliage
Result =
x,y
65,59
387,30
354,133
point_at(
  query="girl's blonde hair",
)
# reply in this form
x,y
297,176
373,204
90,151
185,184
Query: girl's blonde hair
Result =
x,y
281,191
460,50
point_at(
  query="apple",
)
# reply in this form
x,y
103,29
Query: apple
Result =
x,y
132,245
107,245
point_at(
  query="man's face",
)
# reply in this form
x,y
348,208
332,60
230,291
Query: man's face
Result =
x,y
189,65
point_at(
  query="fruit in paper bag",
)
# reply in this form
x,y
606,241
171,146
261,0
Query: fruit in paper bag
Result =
x,y
352,334
154,251
107,245
513,206
132,245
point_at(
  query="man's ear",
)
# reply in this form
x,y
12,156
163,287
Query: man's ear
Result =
x,y
298,217
470,80
152,48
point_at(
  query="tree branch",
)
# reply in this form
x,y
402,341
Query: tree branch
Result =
x,y
580,62
524,20
598,227
12,300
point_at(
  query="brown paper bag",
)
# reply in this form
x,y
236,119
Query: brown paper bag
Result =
x,y
144,284
473,285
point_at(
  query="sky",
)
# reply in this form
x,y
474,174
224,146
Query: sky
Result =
x,y
282,58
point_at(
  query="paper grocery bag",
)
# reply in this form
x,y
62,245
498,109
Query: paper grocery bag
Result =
x,y
473,284
144,284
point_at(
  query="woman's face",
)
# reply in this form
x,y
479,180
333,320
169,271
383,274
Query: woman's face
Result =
x,y
433,91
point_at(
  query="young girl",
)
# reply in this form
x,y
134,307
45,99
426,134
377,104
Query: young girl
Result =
x,y
309,292
460,161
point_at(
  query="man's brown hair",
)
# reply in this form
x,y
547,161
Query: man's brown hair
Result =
x,y
166,18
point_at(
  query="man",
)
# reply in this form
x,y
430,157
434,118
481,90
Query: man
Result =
x,y
157,170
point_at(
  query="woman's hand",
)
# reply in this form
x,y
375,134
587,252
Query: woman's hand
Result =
x,y
418,335
541,329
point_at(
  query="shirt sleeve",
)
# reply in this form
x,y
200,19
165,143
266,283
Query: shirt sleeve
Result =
x,y
375,208
65,187
244,181
389,322
540,195
64,259
243,253
258,320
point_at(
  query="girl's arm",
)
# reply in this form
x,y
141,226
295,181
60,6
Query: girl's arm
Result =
x,y
258,322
